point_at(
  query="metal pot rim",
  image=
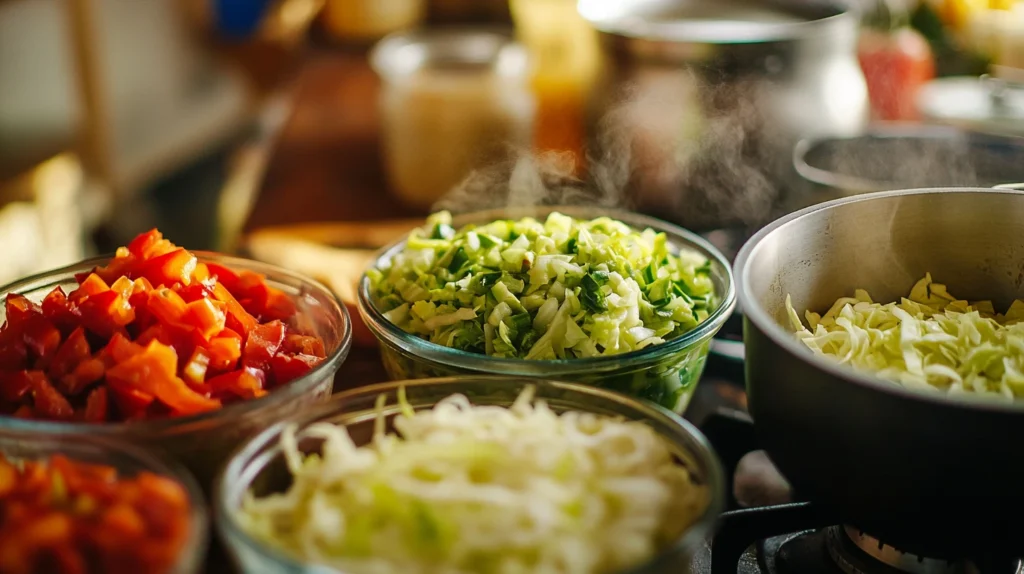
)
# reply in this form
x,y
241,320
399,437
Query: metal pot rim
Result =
x,y
642,28
759,317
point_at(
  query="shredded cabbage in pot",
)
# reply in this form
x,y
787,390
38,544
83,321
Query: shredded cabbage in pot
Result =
x,y
929,340
480,489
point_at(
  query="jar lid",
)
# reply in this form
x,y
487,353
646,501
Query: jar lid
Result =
x,y
483,50
984,104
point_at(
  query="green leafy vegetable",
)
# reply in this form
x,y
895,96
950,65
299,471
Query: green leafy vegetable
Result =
x,y
553,289
928,340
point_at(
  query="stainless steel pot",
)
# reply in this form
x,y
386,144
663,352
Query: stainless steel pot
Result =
x,y
710,97
903,156
928,474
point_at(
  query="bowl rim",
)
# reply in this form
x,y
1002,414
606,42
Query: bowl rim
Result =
x,y
756,314
234,470
181,425
67,442
386,331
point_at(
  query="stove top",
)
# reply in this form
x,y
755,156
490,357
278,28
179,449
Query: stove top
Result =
x,y
768,530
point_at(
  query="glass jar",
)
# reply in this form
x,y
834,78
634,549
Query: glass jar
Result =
x,y
370,20
452,100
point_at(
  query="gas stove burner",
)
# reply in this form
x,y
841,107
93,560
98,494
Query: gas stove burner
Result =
x,y
856,552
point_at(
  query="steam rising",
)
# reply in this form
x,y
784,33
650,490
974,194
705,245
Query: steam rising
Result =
x,y
702,156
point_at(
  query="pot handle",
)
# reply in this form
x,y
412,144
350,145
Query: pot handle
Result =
x,y
1013,186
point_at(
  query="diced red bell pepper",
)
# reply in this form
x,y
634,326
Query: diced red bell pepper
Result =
x,y
131,403
14,385
84,375
149,244
166,306
106,313
245,383
120,349
201,274
262,344
13,355
225,350
172,267
195,369
304,344
238,319
20,308
41,338
154,371
97,406
74,350
195,292
48,402
224,276
286,368
92,285
207,316
123,286
60,312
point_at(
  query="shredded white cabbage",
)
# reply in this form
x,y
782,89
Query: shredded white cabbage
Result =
x,y
480,489
929,340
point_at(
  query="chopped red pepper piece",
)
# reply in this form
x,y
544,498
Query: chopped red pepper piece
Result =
x,y
207,316
262,345
154,372
68,517
238,319
152,333
97,406
290,367
49,403
173,267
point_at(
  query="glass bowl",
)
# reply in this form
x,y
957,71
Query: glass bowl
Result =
x,y
665,374
128,460
203,442
260,463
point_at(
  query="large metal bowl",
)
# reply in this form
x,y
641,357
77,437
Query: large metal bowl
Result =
x,y
927,473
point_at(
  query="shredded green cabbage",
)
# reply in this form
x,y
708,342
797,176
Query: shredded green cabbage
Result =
x,y
480,489
929,340
553,289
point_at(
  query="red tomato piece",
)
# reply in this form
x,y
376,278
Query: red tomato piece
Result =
x,y
41,338
147,244
262,344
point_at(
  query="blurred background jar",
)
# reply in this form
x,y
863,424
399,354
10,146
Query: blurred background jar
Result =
x,y
564,50
364,21
452,100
